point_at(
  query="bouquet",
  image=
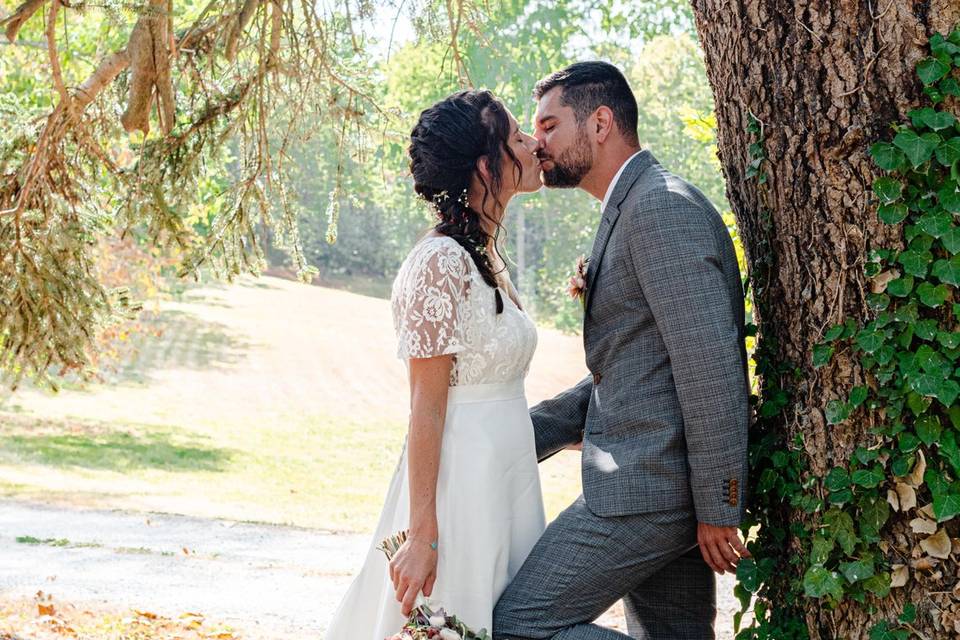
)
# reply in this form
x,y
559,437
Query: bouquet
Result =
x,y
424,623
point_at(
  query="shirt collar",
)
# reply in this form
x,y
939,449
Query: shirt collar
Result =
x,y
613,183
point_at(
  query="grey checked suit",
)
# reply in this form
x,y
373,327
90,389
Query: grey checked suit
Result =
x,y
663,418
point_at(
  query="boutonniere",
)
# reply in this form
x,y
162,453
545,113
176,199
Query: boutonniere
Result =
x,y
578,281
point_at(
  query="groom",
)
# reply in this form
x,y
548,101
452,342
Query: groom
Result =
x,y
663,415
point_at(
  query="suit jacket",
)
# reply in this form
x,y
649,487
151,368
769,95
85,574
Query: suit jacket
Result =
x,y
664,415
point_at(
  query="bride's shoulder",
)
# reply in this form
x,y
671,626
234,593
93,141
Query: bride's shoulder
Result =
x,y
435,247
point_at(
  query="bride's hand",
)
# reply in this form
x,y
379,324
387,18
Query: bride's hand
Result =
x,y
413,570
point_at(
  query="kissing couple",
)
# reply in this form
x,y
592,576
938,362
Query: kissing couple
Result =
x,y
662,418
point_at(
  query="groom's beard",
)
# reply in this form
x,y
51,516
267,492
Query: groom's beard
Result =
x,y
574,163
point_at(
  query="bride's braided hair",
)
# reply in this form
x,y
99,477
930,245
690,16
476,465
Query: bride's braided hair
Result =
x,y
445,147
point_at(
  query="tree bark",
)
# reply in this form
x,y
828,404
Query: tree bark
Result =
x,y
826,78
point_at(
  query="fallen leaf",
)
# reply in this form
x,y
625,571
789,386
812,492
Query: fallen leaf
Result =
x,y
907,496
915,479
45,609
927,510
879,282
899,575
186,551
922,525
893,500
926,563
146,614
938,545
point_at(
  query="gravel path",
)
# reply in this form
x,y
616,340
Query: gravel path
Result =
x,y
266,581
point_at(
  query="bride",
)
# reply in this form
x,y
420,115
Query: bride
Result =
x,y
467,488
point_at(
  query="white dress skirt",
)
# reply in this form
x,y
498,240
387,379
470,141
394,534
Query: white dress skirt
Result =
x,y
489,504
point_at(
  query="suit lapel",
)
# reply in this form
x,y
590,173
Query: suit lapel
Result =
x,y
611,213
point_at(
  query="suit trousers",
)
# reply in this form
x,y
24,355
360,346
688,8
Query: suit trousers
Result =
x,y
584,563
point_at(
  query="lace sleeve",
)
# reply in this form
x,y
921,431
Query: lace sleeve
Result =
x,y
429,305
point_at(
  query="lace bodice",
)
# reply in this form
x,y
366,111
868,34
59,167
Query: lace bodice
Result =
x,y
441,305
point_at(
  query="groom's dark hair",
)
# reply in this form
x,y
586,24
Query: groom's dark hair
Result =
x,y
587,86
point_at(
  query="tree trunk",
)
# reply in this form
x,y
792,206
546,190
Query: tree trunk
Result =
x,y
826,78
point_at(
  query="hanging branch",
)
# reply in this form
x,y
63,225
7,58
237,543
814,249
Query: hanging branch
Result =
x,y
21,15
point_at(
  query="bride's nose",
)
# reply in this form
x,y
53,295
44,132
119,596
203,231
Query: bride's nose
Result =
x,y
530,143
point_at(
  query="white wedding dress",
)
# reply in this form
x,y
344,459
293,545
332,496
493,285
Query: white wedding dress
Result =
x,y
489,504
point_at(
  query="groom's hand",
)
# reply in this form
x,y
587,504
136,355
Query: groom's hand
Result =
x,y
721,547
413,570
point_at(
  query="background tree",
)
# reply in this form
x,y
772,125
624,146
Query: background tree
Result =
x,y
854,426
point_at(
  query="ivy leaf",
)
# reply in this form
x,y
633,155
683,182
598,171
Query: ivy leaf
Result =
x,y
936,224
948,152
870,341
926,329
930,360
933,296
949,339
868,478
879,585
908,443
946,506
887,189
949,198
947,392
839,527
949,449
931,70
821,354
936,120
748,575
928,429
878,301
892,213
819,582
917,148
887,156
900,287
949,87
842,496
837,479
915,262
837,411
857,396
909,615
833,333
857,571
947,271
951,240
882,631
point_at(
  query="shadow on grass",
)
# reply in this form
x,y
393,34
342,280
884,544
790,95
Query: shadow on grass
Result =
x,y
185,340
93,446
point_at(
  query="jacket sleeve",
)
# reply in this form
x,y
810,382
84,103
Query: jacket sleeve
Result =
x,y
559,422
675,249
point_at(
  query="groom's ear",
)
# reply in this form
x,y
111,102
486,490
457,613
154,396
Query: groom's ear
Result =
x,y
604,123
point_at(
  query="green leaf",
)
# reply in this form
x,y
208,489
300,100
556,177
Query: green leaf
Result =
x,y
900,287
839,526
949,339
819,582
882,631
947,392
842,496
936,120
947,271
915,262
866,456
837,479
933,296
857,396
951,240
821,548
931,70
857,571
930,360
946,506
917,148
887,189
868,478
949,87
887,156
949,151
833,333
909,615
748,575
821,354
949,449
879,585
870,341
926,329
837,411
892,213
949,198
908,443
936,224
928,429
903,464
